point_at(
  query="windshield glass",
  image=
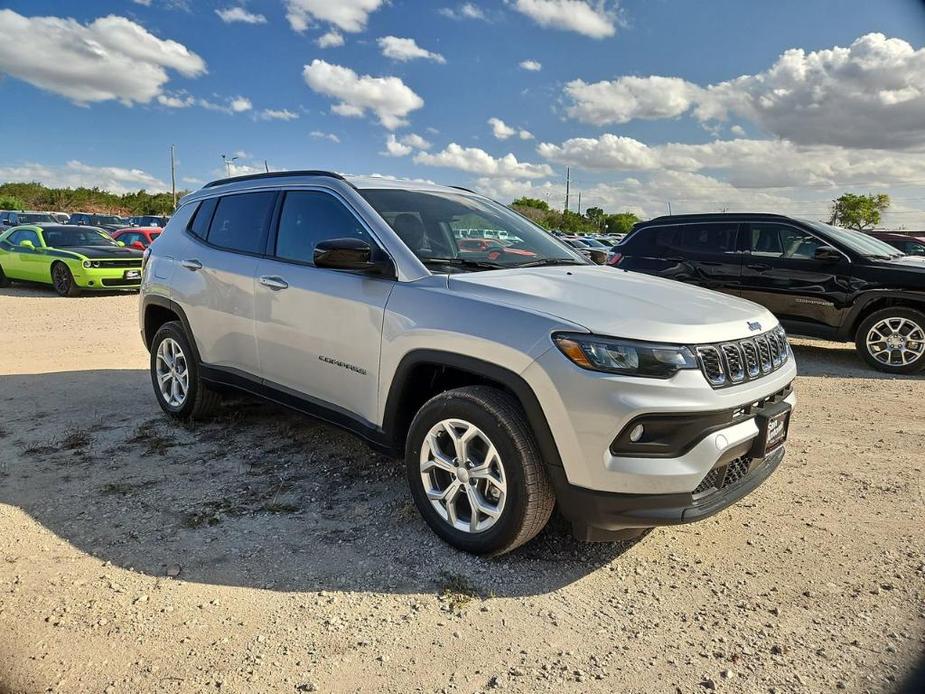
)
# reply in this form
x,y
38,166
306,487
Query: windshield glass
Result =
x,y
102,219
857,241
34,217
62,237
455,232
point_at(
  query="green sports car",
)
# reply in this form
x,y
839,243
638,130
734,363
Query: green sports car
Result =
x,y
70,258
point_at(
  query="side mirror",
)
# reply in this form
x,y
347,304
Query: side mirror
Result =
x,y
138,245
827,254
120,244
26,243
350,254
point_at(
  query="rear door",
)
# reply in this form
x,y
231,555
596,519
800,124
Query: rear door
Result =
x,y
214,279
780,272
701,253
319,331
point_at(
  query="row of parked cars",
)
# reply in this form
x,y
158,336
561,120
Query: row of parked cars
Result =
x,y
83,253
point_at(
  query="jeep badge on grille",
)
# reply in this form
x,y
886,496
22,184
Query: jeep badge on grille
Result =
x,y
754,326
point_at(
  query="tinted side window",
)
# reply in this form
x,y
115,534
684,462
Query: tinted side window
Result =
x,y
914,248
780,241
308,217
25,235
706,238
199,225
240,222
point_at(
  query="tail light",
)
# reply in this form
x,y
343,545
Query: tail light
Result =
x,y
614,259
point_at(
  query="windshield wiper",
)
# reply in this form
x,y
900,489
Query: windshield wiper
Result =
x,y
551,261
464,262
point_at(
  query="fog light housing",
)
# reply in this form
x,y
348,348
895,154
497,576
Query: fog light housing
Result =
x,y
637,433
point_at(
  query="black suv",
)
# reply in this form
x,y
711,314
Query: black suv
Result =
x,y
820,280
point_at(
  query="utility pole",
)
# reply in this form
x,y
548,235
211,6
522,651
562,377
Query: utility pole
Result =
x,y
579,203
173,174
266,166
568,180
669,208
227,162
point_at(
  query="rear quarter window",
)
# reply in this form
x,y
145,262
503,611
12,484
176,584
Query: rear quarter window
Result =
x,y
198,226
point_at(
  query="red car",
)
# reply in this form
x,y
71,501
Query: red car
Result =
x,y
909,243
137,237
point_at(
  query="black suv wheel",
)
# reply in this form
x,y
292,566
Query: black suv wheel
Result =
x,y
893,340
475,471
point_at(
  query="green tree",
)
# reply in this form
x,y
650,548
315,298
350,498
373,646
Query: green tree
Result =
x,y
859,212
595,215
531,202
11,202
620,223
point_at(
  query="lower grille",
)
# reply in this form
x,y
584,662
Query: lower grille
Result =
x,y
721,477
121,282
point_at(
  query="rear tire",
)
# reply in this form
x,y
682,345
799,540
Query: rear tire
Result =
x,y
175,375
4,280
892,340
63,281
472,448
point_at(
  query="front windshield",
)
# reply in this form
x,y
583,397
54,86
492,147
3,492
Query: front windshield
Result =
x,y
34,217
62,237
594,243
456,232
857,241
101,219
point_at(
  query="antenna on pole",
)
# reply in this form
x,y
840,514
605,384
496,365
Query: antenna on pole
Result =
x,y
227,161
568,180
266,166
173,174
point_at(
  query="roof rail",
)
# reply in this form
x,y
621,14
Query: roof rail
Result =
x,y
715,215
273,174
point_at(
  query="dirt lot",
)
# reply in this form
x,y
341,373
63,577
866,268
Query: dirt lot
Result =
x,y
303,566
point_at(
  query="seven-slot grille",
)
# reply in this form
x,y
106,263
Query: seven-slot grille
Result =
x,y
118,263
731,363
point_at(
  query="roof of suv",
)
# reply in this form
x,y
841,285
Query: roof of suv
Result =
x,y
713,217
373,181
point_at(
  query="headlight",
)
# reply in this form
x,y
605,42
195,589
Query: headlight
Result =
x,y
87,264
616,356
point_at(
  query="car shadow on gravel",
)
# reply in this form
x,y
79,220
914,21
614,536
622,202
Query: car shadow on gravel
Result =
x,y
43,291
835,359
257,497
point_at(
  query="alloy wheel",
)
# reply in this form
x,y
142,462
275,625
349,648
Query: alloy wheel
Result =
x,y
463,475
896,341
61,278
172,372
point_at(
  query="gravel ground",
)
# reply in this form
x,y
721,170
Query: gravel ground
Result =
x,y
264,551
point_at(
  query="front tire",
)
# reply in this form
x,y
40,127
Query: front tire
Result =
x,y
892,340
63,280
175,375
475,471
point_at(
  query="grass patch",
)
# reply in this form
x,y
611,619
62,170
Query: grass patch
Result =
x,y
457,591
154,441
74,440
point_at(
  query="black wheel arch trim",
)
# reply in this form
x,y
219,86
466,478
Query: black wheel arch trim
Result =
x,y
862,303
480,368
173,307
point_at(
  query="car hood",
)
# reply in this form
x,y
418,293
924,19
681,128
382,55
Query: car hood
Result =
x,y
914,262
103,252
614,302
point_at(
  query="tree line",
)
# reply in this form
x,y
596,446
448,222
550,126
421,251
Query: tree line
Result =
x,y
35,196
593,221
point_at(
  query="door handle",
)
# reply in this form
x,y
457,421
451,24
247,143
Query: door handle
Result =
x,y
274,283
758,267
191,264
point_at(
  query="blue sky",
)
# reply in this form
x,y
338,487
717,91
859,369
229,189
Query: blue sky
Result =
x,y
719,104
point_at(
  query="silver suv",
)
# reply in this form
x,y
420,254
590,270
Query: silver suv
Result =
x,y
513,374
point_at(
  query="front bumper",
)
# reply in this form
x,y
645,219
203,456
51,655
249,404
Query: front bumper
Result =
x,y
106,278
603,516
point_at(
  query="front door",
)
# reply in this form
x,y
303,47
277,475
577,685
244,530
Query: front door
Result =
x,y
780,272
319,331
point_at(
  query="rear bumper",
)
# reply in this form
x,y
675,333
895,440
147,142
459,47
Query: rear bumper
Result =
x,y
599,516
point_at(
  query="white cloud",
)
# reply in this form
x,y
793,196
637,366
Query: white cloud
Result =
x,y
240,14
477,161
109,58
502,131
320,135
176,101
465,11
870,94
283,114
144,3
628,98
76,174
388,97
240,104
402,147
596,20
394,148
347,15
404,50
531,65
331,39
